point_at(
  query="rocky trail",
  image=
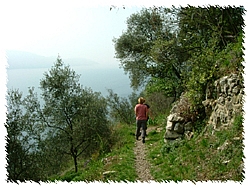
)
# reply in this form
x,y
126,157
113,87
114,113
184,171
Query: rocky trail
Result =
x,y
141,164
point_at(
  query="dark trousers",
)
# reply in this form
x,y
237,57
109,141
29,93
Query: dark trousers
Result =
x,y
141,124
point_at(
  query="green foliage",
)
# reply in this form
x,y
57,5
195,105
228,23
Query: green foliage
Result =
x,y
171,147
197,159
116,165
23,136
171,50
70,113
217,156
199,24
121,109
69,176
71,124
231,58
159,104
181,49
133,47
122,156
213,39
216,64
163,86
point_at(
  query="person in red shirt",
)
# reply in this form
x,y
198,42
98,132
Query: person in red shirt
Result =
x,y
141,113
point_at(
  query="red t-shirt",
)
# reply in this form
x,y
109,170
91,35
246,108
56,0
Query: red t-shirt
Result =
x,y
141,112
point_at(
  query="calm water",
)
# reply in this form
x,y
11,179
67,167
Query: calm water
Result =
x,y
98,79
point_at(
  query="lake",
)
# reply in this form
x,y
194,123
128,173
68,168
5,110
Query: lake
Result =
x,y
98,79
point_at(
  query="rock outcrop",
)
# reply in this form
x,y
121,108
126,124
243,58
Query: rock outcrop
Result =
x,y
223,102
179,122
229,102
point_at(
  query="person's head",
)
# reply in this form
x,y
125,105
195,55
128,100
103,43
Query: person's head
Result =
x,y
141,100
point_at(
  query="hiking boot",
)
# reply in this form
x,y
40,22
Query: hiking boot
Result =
x,y
143,140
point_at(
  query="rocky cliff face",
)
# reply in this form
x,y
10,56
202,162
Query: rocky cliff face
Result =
x,y
224,100
229,102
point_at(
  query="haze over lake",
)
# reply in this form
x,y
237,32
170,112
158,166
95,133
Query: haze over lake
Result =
x,y
27,69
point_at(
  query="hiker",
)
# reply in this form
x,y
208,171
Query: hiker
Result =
x,y
141,113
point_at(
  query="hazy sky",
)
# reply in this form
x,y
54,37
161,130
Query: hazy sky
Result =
x,y
71,29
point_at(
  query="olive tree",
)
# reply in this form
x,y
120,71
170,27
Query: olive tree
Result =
x,y
75,116
149,49
23,137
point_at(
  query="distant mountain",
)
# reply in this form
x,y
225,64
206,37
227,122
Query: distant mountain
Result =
x,y
26,60
26,69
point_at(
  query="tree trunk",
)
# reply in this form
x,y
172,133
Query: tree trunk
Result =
x,y
75,162
74,155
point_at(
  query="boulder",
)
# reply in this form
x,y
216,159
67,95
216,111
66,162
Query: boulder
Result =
x,y
175,117
170,125
179,128
171,135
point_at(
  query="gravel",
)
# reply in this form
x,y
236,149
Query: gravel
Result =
x,y
141,164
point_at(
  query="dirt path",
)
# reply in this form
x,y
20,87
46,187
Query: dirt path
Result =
x,y
141,164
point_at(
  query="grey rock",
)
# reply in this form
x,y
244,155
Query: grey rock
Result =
x,y
179,128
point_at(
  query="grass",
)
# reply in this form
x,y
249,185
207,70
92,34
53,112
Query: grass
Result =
x,y
117,166
204,157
